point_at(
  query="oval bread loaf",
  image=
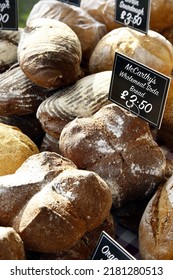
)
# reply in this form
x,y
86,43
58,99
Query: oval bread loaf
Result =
x,y
49,53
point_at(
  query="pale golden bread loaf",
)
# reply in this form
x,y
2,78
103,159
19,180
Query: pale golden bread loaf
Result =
x,y
152,49
15,148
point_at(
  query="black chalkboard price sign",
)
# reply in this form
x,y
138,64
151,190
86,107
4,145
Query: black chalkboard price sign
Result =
x,y
139,89
108,249
134,14
8,14
72,2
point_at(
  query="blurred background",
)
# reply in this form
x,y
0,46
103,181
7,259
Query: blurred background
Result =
x,y
24,8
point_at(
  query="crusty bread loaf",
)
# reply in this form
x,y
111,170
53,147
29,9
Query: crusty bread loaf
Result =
x,y
85,247
156,226
8,48
82,99
88,30
18,95
11,245
120,148
15,148
28,124
51,204
153,50
49,53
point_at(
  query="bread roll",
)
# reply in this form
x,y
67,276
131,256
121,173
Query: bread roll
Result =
x,y
119,147
49,53
11,245
153,50
88,30
15,148
82,99
156,226
51,204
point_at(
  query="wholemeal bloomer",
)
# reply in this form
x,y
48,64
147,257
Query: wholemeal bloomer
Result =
x,y
51,204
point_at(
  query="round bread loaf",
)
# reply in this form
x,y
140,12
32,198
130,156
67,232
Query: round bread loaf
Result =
x,y
153,50
51,204
15,148
120,148
156,226
82,99
11,245
88,30
49,53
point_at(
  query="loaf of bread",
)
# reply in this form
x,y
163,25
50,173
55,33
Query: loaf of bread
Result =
x,y
120,148
156,226
28,124
8,48
18,95
51,204
85,247
11,245
15,148
152,49
49,53
103,11
88,30
82,99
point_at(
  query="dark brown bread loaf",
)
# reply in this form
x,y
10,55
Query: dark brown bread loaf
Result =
x,y
120,148
51,204
18,95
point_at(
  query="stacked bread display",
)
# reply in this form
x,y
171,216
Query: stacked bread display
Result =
x,y
90,162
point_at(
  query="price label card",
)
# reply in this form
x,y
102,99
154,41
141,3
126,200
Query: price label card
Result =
x,y
134,14
72,2
8,14
108,249
139,89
